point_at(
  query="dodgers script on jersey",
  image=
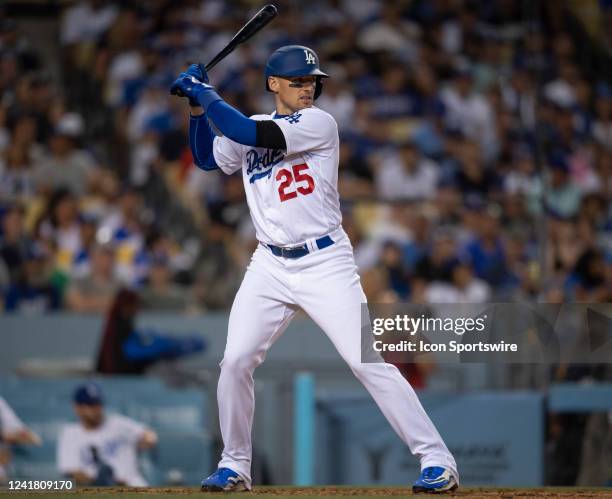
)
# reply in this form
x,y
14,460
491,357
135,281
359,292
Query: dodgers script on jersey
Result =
x,y
292,194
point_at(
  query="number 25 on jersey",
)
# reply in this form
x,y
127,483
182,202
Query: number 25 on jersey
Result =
x,y
304,183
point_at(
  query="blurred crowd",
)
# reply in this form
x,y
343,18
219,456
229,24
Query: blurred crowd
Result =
x,y
476,157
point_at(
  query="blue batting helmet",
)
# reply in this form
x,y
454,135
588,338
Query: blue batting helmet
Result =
x,y
295,60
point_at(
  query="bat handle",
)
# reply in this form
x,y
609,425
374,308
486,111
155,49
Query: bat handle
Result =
x,y
218,57
221,55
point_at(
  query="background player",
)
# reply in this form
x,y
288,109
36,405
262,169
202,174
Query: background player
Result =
x,y
101,449
289,163
12,431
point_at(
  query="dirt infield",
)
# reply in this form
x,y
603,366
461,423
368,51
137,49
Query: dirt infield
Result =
x,y
317,492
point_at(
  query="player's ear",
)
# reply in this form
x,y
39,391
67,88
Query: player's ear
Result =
x,y
273,84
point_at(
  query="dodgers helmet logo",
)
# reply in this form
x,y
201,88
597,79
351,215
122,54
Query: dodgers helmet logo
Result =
x,y
310,58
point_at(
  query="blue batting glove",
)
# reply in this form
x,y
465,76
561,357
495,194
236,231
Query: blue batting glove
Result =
x,y
202,94
198,71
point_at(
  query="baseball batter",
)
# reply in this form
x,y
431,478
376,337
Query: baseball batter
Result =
x,y
304,260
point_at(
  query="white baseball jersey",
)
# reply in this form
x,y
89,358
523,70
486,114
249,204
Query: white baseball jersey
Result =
x,y
116,441
292,194
293,199
9,423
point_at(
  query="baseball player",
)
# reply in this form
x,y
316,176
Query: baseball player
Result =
x,y
101,449
304,260
12,431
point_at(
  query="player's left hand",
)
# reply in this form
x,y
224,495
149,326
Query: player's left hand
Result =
x,y
198,71
188,86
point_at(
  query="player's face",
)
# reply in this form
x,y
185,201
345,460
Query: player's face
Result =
x,y
90,415
293,93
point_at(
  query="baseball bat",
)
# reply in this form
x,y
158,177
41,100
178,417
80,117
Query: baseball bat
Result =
x,y
255,24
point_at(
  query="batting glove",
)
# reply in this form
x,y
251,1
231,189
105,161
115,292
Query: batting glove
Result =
x,y
202,94
198,71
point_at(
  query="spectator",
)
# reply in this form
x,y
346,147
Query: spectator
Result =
x,y
393,100
102,196
602,128
32,292
12,431
486,251
589,279
420,241
390,32
16,177
375,282
101,449
407,175
562,197
338,101
82,260
438,263
425,93
125,350
518,96
33,98
61,228
474,180
87,21
392,266
524,180
217,278
119,325
470,112
15,243
463,288
67,166
94,293
603,172
354,173
24,134
124,228
160,293
561,90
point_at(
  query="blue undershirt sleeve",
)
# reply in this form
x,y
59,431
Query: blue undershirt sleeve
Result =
x,y
201,138
232,123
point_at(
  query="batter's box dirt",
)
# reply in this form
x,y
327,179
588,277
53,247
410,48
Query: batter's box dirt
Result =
x,y
317,492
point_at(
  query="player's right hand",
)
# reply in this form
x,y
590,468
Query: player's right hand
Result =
x,y
187,86
202,94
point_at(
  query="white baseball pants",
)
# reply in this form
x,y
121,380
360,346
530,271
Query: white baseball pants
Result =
x,y
324,284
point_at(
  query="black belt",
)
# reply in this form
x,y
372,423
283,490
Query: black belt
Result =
x,y
300,251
